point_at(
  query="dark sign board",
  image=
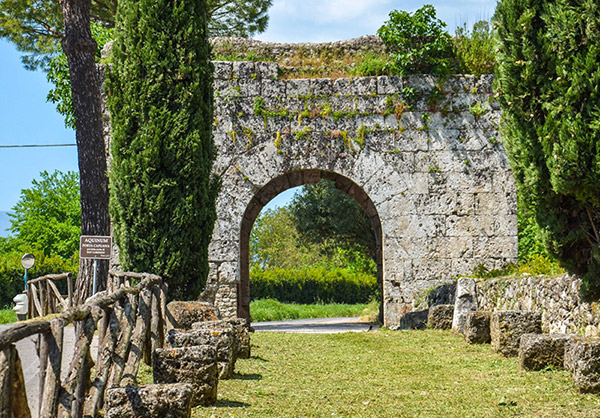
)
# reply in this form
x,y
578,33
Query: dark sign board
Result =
x,y
95,247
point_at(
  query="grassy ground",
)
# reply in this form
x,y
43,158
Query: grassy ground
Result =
x,y
7,316
390,374
273,310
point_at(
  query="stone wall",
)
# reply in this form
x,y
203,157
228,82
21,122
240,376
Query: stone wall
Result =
x,y
563,310
421,155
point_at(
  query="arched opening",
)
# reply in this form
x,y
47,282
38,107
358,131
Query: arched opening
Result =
x,y
280,184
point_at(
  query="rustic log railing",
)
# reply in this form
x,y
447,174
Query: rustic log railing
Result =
x,y
130,322
44,298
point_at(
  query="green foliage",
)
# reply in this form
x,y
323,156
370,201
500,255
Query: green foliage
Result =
x,y
312,285
11,271
48,215
418,42
273,310
317,213
36,26
373,64
238,18
536,265
160,98
57,73
275,242
7,316
548,85
474,48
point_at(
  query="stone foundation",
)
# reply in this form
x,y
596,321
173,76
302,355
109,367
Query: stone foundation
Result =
x,y
507,327
167,401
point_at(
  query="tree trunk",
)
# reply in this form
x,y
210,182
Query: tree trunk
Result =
x,y
80,48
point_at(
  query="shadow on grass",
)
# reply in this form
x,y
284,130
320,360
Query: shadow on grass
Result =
x,y
259,358
226,403
249,376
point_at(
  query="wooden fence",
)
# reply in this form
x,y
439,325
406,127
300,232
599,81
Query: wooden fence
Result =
x,y
44,298
130,322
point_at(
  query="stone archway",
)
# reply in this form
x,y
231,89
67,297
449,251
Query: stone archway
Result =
x,y
425,152
280,184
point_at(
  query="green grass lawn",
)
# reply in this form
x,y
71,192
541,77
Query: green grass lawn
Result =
x,y
273,310
390,374
7,316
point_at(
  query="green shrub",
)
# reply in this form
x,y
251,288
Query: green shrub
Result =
x,y
11,272
373,64
474,48
418,42
312,285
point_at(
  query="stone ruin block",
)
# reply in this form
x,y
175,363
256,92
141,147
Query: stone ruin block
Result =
x,y
570,360
477,327
414,320
242,330
507,327
196,365
168,401
582,358
538,351
183,314
465,301
239,329
440,316
221,339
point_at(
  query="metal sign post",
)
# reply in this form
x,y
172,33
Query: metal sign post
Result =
x,y
96,248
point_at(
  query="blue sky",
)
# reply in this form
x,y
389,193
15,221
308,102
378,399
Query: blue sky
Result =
x,y
26,117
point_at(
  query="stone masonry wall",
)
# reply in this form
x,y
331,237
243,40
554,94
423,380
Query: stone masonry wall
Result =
x,y
558,299
421,155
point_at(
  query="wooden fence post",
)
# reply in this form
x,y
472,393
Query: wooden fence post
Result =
x,y
52,346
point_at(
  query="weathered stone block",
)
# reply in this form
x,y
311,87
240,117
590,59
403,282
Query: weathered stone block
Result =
x,y
466,301
196,365
239,329
222,339
537,351
440,316
168,401
582,358
570,359
414,320
506,328
183,314
477,327
242,331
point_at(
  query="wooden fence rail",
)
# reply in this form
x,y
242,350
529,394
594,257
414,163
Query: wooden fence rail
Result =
x,y
130,322
44,298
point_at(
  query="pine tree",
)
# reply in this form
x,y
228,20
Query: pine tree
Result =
x,y
160,99
548,81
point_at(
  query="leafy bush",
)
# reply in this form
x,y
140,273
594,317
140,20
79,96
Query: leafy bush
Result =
x,y
372,64
418,42
474,48
312,285
11,271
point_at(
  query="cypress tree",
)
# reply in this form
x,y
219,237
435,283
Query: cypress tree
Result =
x,y
160,100
548,81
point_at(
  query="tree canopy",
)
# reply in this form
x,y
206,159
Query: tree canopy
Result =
x,y
548,83
160,99
36,26
48,215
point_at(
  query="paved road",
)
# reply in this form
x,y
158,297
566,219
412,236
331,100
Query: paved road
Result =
x,y
315,326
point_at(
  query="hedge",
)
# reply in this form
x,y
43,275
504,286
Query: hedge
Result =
x,y
11,273
312,285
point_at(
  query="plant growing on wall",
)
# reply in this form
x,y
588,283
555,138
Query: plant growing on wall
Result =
x,y
160,98
418,42
548,82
